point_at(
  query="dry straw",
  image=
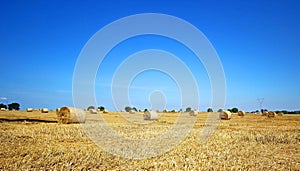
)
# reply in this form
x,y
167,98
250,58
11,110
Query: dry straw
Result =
x,y
44,110
193,113
132,111
70,115
29,109
280,114
166,111
226,115
265,113
3,109
93,111
105,111
272,114
150,115
241,113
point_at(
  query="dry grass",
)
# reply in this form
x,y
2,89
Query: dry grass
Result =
x,y
249,143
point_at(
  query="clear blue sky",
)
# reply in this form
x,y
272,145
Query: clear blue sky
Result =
x,y
257,42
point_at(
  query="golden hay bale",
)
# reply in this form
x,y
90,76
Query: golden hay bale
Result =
x,y
132,111
44,110
150,115
140,110
225,115
105,111
272,114
174,111
70,115
157,111
29,109
279,114
193,113
3,109
93,111
166,111
241,113
265,113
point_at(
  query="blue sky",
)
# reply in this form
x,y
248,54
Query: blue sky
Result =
x,y
257,42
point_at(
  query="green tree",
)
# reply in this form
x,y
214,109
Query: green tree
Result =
x,y
220,110
127,108
14,106
234,110
134,108
188,109
210,110
101,108
3,106
90,107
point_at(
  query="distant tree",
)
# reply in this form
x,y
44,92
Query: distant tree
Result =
x,y
210,110
14,106
234,110
220,110
134,108
188,109
263,110
90,107
145,110
127,108
229,110
3,106
101,108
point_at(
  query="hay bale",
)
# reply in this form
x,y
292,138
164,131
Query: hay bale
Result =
x,y
271,114
105,111
93,111
241,113
132,111
57,109
193,113
29,109
157,111
150,115
226,115
265,113
140,111
70,115
174,111
44,110
165,111
3,109
279,114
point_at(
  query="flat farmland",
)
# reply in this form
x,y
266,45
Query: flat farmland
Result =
x,y
34,141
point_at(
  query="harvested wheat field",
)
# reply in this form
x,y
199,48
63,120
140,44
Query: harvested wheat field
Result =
x,y
34,141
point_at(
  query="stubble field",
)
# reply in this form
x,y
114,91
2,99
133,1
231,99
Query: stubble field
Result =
x,y
252,142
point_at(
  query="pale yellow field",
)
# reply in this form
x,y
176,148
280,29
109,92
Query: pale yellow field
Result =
x,y
251,142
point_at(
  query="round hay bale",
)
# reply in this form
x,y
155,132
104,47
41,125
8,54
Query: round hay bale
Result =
x,y
241,113
265,113
157,111
93,111
105,111
140,111
193,113
150,115
3,109
226,115
279,114
70,115
132,111
44,110
174,111
165,111
57,109
29,109
272,114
